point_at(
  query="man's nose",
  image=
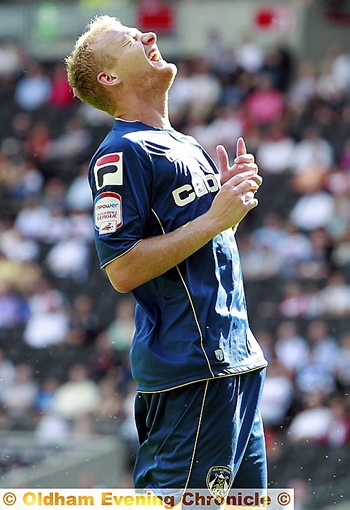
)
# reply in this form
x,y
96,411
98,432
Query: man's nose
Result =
x,y
148,38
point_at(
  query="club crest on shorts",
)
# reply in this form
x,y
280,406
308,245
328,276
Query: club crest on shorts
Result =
x,y
219,480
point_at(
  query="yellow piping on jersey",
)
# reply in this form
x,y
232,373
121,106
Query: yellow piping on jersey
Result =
x,y
191,303
205,379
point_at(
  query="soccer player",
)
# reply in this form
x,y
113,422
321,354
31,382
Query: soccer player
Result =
x,y
165,218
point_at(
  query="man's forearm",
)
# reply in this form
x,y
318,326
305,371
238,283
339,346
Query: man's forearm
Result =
x,y
152,257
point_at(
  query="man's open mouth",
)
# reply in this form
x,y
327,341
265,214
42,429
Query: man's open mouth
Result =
x,y
154,56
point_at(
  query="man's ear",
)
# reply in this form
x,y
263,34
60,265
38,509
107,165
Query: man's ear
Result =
x,y
108,79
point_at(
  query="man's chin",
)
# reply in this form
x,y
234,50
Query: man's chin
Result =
x,y
170,72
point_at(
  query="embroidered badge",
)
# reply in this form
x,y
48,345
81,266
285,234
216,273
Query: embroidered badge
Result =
x,y
219,480
219,355
108,212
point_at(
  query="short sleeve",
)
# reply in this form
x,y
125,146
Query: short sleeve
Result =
x,y
120,177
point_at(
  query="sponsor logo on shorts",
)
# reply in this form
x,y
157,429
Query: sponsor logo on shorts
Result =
x,y
108,170
219,480
108,212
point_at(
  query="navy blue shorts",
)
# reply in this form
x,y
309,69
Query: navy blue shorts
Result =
x,y
202,432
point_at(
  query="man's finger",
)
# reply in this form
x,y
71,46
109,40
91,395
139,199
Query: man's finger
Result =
x,y
222,156
241,148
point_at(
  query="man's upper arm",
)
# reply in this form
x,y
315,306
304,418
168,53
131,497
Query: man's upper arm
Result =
x,y
119,179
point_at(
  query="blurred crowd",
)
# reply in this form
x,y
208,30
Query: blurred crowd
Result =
x,y
65,334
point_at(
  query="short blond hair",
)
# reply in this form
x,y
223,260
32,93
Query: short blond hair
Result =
x,y
86,61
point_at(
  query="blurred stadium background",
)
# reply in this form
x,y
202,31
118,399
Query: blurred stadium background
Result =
x,y
276,72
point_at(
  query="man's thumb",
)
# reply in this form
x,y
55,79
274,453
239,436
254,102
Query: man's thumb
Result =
x,y
241,148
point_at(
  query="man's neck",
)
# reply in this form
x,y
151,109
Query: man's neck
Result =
x,y
149,111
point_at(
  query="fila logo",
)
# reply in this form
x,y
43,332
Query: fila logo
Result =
x,y
108,170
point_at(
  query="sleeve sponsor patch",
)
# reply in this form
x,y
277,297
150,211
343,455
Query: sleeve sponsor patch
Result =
x,y
108,212
108,170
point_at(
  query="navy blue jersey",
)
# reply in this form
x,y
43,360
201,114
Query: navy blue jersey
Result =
x,y
191,322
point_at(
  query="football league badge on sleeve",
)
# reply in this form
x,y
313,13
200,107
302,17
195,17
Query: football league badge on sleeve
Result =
x,y
108,212
219,480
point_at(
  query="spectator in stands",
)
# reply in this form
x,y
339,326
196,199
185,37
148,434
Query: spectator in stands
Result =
x,y
111,407
54,193
342,362
32,219
21,178
204,90
293,301
314,376
121,330
303,88
72,143
281,65
265,105
315,265
340,65
271,232
312,152
69,258
295,248
58,227
313,422
38,141
180,93
328,87
249,55
46,395
48,320
312,299
335,296
214,49
303,214
102,362
83,316
259,261
80,225
61,94
77,396
52,429
17,247
18,397
323,346
291,347
234,85
78,196
10,62
275,151
33,90
338,432
14,308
